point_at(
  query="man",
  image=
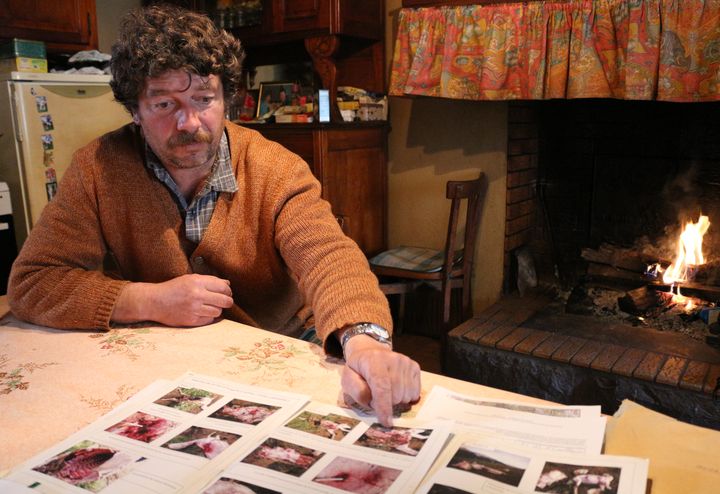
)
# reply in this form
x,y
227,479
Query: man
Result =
x,y
198,218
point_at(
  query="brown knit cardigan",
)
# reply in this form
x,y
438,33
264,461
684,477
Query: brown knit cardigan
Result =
x,y
275,239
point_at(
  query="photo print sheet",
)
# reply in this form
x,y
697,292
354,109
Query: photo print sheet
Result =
x,y
567,429
327,449
475,464
167,438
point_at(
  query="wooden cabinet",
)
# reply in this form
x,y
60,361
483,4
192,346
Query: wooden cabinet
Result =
x,y
344,40
350,161
64,25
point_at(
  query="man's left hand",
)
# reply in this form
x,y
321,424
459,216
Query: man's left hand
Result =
x,y
377,377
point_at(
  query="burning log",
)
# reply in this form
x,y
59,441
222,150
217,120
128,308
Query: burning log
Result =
x,y
708,273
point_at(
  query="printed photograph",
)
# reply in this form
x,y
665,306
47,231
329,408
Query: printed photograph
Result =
x,y
226,485
190,400
47,122
273,95
283,457
88,465
331,426
142,427
200,441
402,440
357,476
51,189
562,478
446,489
245,412
41,104
502,466
248,106
47,142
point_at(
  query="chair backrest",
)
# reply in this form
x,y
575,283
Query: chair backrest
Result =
x,y
472,192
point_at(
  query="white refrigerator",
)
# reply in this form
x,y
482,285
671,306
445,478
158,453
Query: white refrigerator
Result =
x,y
44,118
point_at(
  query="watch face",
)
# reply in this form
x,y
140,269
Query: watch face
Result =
x,y
375,329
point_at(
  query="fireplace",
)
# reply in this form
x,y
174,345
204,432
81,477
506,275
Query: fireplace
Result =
x,y
587,176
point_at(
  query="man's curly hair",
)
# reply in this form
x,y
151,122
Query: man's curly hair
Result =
x,y
159,38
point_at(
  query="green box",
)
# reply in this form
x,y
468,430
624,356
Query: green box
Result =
x,y
16,48
23,64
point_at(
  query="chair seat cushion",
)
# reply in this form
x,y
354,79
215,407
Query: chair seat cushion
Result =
x,y
419,259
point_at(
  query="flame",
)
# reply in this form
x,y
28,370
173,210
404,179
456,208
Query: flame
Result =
x,y
689,252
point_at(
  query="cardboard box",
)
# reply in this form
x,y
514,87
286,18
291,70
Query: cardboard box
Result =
x,y
23,64
15,48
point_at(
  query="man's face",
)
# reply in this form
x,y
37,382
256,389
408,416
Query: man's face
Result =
x,y
182,117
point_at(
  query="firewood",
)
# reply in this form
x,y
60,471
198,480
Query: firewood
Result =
x,y
619,276
637,302
617,257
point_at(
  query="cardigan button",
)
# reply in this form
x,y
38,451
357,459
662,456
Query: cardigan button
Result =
x,y
199,260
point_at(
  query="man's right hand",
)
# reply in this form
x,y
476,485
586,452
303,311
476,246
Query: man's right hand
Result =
x,y
188,300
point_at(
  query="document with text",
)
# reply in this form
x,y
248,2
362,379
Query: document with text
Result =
x,y
565,429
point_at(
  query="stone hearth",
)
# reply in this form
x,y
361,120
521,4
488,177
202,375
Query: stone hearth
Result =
x,y
518,345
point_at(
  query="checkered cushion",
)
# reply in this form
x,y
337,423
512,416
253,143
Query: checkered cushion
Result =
x,y
418,259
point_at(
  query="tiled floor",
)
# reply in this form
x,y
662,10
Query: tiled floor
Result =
x,y
422,349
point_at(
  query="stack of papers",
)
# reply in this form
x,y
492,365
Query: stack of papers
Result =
x,y
509,447
199,434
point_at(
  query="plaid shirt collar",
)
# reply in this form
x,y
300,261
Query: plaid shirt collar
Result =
x,y
221,179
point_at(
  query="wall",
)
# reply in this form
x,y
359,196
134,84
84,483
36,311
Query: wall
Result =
x,y
432,141
109,13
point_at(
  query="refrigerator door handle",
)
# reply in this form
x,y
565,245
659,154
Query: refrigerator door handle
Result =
x,y
16,103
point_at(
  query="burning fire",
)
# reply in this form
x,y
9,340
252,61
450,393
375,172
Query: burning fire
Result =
x,y
689,252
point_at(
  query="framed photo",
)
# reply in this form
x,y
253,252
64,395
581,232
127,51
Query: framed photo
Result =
x,y
273,95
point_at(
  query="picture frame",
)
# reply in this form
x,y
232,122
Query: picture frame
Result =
x,y
273,95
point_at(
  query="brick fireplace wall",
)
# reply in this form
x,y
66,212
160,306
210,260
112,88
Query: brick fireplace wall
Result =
x,y
521,199
583,172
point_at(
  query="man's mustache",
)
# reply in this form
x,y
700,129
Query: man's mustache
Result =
x,y
185,138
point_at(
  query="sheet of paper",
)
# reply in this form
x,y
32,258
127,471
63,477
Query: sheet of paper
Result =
x,y
164,438
327,449
475,464
685,458
567,429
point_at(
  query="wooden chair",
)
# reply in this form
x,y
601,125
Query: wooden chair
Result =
x,y
403,269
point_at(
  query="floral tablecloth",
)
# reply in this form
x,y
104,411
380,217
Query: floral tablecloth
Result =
x,y
54,382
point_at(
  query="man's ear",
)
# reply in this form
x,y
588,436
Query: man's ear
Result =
x,y
135,118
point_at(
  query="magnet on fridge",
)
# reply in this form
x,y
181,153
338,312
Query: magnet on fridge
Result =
x,y
47,122
48,157
51,188
47,140
50,175
41,103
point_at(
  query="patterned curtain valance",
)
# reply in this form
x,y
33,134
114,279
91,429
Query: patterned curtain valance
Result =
x,y
667,50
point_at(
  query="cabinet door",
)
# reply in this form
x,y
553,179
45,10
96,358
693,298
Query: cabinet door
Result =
x,y
354,181
64,25
301,15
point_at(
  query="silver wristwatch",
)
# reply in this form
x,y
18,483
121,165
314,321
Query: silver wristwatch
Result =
x,y
372,330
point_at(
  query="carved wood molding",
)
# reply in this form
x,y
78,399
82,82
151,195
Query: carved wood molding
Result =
x,y
322,50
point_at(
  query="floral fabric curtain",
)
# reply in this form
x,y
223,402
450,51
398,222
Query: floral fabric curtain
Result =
x,y
667,50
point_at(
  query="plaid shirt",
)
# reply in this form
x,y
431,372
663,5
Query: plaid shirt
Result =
x,y
197,214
